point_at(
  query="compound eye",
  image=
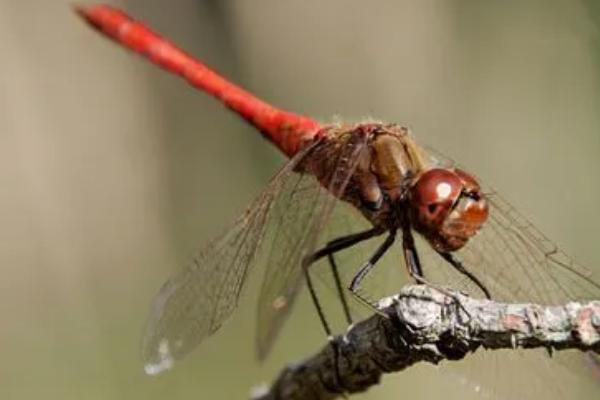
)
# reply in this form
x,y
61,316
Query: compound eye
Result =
x,y
470,184
447,207
434,193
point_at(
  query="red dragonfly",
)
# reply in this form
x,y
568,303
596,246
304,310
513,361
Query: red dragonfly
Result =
x,y
378,169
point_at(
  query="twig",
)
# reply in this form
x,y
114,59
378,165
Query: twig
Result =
x,y
422,324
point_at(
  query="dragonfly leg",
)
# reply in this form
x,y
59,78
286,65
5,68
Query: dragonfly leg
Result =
x,y
368,266
315,299
338,287
458,265
328,251
411,257
413,264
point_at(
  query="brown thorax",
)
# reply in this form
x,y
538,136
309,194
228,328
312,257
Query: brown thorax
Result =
x,y
385,174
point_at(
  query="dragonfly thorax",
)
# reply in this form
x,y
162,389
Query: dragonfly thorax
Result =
x,y
392,183
385,172
379,161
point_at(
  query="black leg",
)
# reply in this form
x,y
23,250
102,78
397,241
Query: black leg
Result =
x,y
413,265
343,243
364,270
338,286
315,299
411,257
331,248
457,264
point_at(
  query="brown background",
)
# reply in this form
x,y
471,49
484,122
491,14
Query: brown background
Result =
x,y
112,172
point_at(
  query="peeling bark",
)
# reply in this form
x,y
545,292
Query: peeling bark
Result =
x,y
422,324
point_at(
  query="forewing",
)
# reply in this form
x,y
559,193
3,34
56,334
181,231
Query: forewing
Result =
x,y
515,260
520,263
517,263
195,302
302,212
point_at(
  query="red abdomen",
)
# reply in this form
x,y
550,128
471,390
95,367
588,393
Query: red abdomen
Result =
x,y
288,131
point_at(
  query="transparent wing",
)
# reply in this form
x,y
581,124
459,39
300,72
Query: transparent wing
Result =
x,y
195,302
306,210
518,263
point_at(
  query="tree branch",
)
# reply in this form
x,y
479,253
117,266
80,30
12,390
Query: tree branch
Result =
x,y
423,324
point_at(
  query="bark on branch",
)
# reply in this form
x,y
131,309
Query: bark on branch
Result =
x,y
423,324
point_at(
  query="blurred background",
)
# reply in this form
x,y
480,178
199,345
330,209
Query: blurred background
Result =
x,y
112,172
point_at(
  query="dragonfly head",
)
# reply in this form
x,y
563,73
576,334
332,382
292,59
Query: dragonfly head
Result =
x,y
447,207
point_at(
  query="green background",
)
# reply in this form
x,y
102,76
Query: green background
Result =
x,y
112,172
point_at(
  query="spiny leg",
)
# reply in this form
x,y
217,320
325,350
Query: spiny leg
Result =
x,y
458,265
338,287
411,257
335,270
331,248
413,264
368,266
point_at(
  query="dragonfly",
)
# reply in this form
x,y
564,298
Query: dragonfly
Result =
x,y
379,173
